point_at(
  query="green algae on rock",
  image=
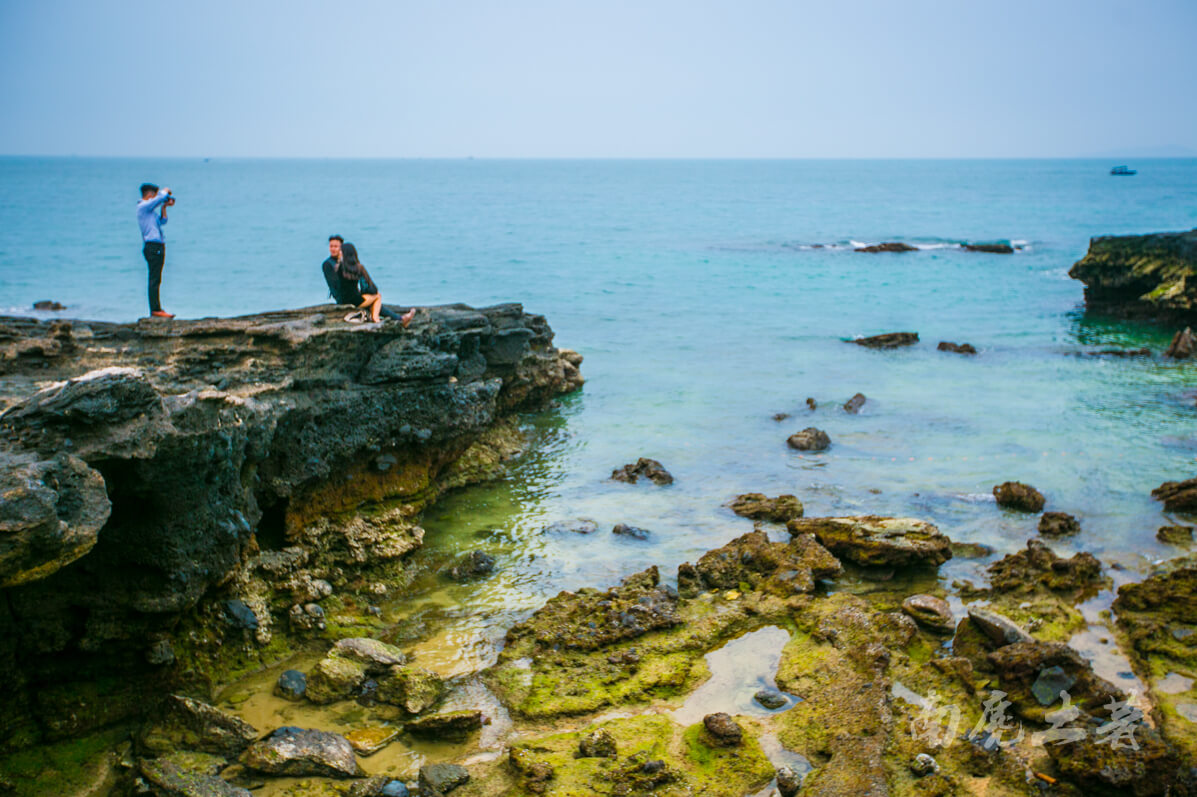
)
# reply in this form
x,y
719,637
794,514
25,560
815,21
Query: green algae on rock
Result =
x,y
758,506
874,541
1151,275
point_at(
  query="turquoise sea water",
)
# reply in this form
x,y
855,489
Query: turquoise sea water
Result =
x,y
702,308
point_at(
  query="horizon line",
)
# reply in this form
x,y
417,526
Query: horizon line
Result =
x,y
1192,156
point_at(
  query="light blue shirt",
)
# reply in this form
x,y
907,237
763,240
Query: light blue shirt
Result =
x,y
149,218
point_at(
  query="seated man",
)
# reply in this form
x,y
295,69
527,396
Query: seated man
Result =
x,y
345,291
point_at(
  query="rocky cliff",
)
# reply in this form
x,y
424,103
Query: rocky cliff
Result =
x,y
1142,275
180,496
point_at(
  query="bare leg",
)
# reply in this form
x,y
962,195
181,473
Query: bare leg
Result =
x,y
372,302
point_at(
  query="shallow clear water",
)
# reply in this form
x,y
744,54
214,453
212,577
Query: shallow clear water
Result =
x,y
694,292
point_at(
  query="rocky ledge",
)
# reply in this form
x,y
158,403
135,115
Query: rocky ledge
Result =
x,y
1142,275
177,499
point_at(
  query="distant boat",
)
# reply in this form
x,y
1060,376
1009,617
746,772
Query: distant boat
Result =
x,y
1122,171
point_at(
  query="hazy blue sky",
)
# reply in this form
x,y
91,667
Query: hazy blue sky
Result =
x,y
515,78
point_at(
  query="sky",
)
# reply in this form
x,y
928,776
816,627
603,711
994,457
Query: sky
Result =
x,y
602,79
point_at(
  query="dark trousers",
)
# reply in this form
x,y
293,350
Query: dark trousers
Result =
x,y
155,257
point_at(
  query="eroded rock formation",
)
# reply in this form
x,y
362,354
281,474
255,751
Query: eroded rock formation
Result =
x,y
1141,275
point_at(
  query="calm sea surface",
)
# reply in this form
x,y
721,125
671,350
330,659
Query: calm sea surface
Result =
x,y
703,305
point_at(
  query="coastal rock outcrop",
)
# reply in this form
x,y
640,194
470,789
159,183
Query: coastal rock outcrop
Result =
x,y
758,506
1151,275
154,474
875,541
644,467
809,439
1183,345
957,348
1178,496
888,246
1016,495
889,340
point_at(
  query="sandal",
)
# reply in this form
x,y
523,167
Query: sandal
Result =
x,y
356,317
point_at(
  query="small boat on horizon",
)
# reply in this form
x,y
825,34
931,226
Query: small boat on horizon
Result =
x,y
1122,171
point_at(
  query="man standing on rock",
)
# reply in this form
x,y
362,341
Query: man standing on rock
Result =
x,y
151,215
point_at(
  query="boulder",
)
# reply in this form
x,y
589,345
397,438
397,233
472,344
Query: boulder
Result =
x,y
335,678
958,348
770,699
1016,495
1000,630
1178,496
930,612
758,506
1175,535
723,730
296,752
752,559
854,404
1168,594
809,439
1038,568
49,304
437,780
471,565
888,246
291,685
414,689
188,724
1138,765
788,782
878,541
1057,524
993,249
1183,345
636,533
648,468
889,340
1151,275
453,726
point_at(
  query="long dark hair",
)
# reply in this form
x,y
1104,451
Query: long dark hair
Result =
x,y
351,267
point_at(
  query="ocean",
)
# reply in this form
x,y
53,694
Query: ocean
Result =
x,y
706,297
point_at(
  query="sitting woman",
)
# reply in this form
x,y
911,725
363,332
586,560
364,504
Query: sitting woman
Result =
x,y
355,287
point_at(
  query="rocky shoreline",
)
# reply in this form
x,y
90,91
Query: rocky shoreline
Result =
x,y
1152,276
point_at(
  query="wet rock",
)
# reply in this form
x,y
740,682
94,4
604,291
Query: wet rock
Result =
x,y
535,772
597,744
440,779
888,246
471,565
368,741
788,782
375,787
781,568
1141,275
971,550
1001,630
624,530
689,580
1178,496
49,304
377,656
1169,593
239,615
809,439
923,764
878,541
993,249
958,348
648,468
770,699
305,619
1038,568
854,404
576,526
1175,535
335,678
889,340
811,404
451,725
1141,766
297,752
724,730
930,612
1028,670
413,689
1057,524
780,416
188,724
291,685
760,507
395,788
1183,345
168,778
1016,495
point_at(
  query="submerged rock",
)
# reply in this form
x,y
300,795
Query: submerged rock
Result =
x,y
300,751
931,612
993,249
811,404
957,348
889,340
888,246
1175,535
577,526
368,741
1151,275
1178,496
1183,345
471,565
760,507
876,541
49,304
854,404
648,468
624,530
414,689
440,779
1016,495
291,685
1057,524
809,439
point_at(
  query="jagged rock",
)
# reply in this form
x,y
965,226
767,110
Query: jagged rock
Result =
x,y
450,725
368,741
1178,496
648,468
1016,495
929,611
1029,673
188,724
888,246
760,507
577,526
624,530
440,779
471,565
782,568
168,779
1170,593
1142,766
958,348
999,629
1151,275
413,689
889,340
878,541
809,439
597,744
297,752
1057,524
1038,567
854,404
993,249
811,404
291,685
724,730
1183,345
1175,535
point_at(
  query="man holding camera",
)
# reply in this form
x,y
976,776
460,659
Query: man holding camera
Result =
x,y
151,215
